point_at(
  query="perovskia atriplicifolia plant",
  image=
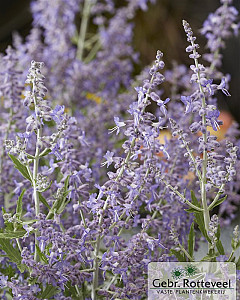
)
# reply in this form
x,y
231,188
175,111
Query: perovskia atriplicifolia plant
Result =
x,y
95,184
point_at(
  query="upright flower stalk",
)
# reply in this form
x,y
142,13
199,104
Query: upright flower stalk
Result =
x,y
156,78
41,110
203,180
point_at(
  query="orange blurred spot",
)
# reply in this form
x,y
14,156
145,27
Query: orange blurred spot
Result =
x,y
227,119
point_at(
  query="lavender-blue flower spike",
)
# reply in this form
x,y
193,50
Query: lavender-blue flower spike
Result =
x,y
195,55
36,78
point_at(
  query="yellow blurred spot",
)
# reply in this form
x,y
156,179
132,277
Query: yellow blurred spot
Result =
x,y
94,97
165,134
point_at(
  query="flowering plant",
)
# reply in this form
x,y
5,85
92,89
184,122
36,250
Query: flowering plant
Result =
x,y
69,228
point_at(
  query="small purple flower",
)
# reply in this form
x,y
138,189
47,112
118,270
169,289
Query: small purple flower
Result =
x,y
109,159
141,94
57,113
136,112
213,116
55,151
162,105
28,229
17,190
187,100
3,281
154,97
222,87
118,125
207,83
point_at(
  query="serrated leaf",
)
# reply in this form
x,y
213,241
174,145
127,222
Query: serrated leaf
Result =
x,y
19,204
21,168
12,253
43,200
41,255
178,254
49,292
12,234
191,240
219,201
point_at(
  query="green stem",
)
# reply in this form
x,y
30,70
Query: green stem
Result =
x,y
93,52
231,255
185,252
183,198
35,172
83,28
19,245
220,191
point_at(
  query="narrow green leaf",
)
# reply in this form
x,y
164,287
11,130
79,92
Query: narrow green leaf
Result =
x,y
238,263
199,219
45,152
61,202
192,210
191,240
178,254
208,258
219,201
29,222
12,253
21,168
218,233
238,245
19,204
41,255
194,199
66,183
43,200
220,247
12,234
49,292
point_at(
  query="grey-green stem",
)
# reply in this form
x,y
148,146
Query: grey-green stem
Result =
x,y
35,173
203,181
